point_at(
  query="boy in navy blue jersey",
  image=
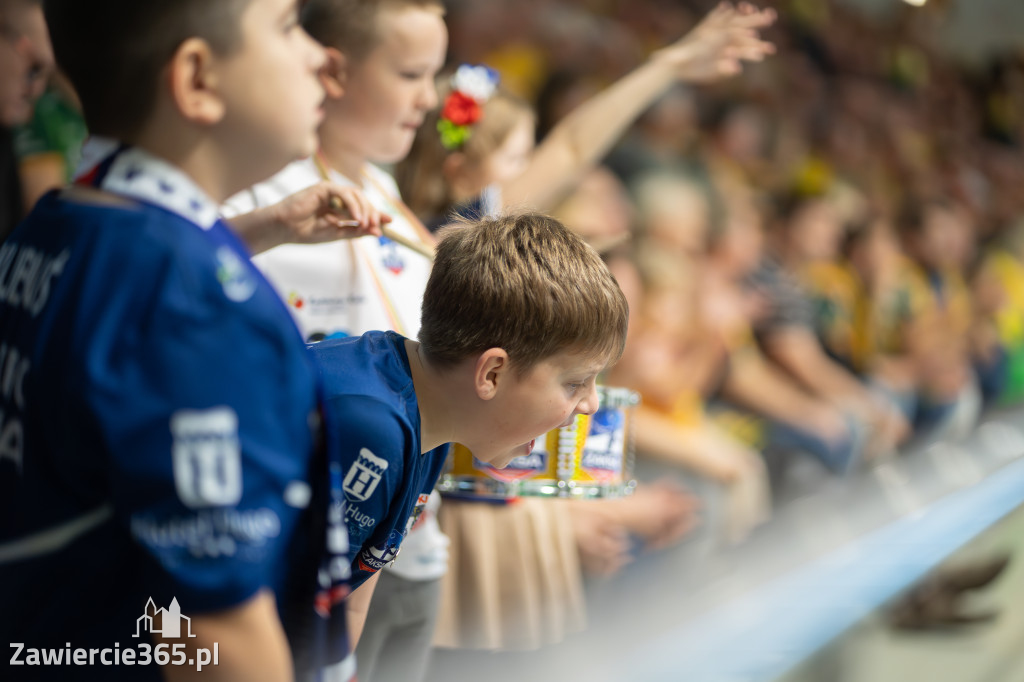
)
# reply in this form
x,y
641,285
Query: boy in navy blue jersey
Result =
x,y
158,410
519,318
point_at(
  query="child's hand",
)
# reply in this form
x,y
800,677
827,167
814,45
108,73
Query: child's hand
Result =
x,y
602,542
661,513
327,212
718,46
828,423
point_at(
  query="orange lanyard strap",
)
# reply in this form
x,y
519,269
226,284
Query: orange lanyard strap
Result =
x,y
385,298
422,232
389,306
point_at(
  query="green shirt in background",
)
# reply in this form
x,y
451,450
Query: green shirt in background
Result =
x,y
56,127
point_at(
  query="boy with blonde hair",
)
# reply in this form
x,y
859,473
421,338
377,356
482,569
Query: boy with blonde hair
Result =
x,y
382,57
158,421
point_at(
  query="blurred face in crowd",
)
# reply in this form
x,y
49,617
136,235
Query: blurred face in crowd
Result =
x,y
964,238
670,123
599,209
510,159
876,255
678,221
742,135
815,231
940,242
741,242
390,91
26,60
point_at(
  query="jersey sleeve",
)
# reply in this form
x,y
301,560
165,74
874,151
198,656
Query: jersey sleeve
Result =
x,y
204,401
370,442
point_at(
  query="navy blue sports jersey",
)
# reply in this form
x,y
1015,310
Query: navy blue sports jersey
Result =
x,y
371,408
157,408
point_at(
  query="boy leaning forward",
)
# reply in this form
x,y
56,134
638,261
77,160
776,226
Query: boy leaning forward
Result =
x,y
520,316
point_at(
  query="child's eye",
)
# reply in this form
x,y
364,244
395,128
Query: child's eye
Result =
x,y
291,22
573,387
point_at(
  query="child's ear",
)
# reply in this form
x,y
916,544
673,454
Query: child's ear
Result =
x,y
334,74
194,83
490,371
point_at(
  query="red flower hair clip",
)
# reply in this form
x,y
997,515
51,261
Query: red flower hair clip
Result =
x,y
472,86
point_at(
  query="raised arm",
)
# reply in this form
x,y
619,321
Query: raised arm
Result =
x,y
715,49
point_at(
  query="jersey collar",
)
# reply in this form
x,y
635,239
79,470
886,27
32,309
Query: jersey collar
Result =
x,y
137,174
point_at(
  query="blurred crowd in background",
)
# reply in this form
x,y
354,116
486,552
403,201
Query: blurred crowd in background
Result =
x,y
824,257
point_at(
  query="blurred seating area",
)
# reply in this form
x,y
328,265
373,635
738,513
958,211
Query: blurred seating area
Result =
x,y
824,257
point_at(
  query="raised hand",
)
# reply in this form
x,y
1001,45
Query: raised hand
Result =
x,y
719,45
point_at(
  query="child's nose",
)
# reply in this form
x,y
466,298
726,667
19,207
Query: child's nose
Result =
x,y
316,53
429,99
589,404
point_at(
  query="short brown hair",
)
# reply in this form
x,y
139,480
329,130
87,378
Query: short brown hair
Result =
x,y
351,25
113,51
524,283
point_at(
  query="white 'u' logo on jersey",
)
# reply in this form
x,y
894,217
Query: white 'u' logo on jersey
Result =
x,y
207,457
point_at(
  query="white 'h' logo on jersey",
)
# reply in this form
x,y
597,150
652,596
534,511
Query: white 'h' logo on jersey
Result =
x,y
364,476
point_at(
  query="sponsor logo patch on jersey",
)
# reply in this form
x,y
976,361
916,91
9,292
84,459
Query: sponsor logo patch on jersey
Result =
x,y
374,558
356,517
364,476
207,457
235,276
390,258
417,512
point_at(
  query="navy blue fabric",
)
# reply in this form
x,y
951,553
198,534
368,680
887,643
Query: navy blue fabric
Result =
x,y
471,210
156,374
992,374
371,408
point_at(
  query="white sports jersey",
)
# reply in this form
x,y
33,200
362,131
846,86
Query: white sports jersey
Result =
x,y
348,287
